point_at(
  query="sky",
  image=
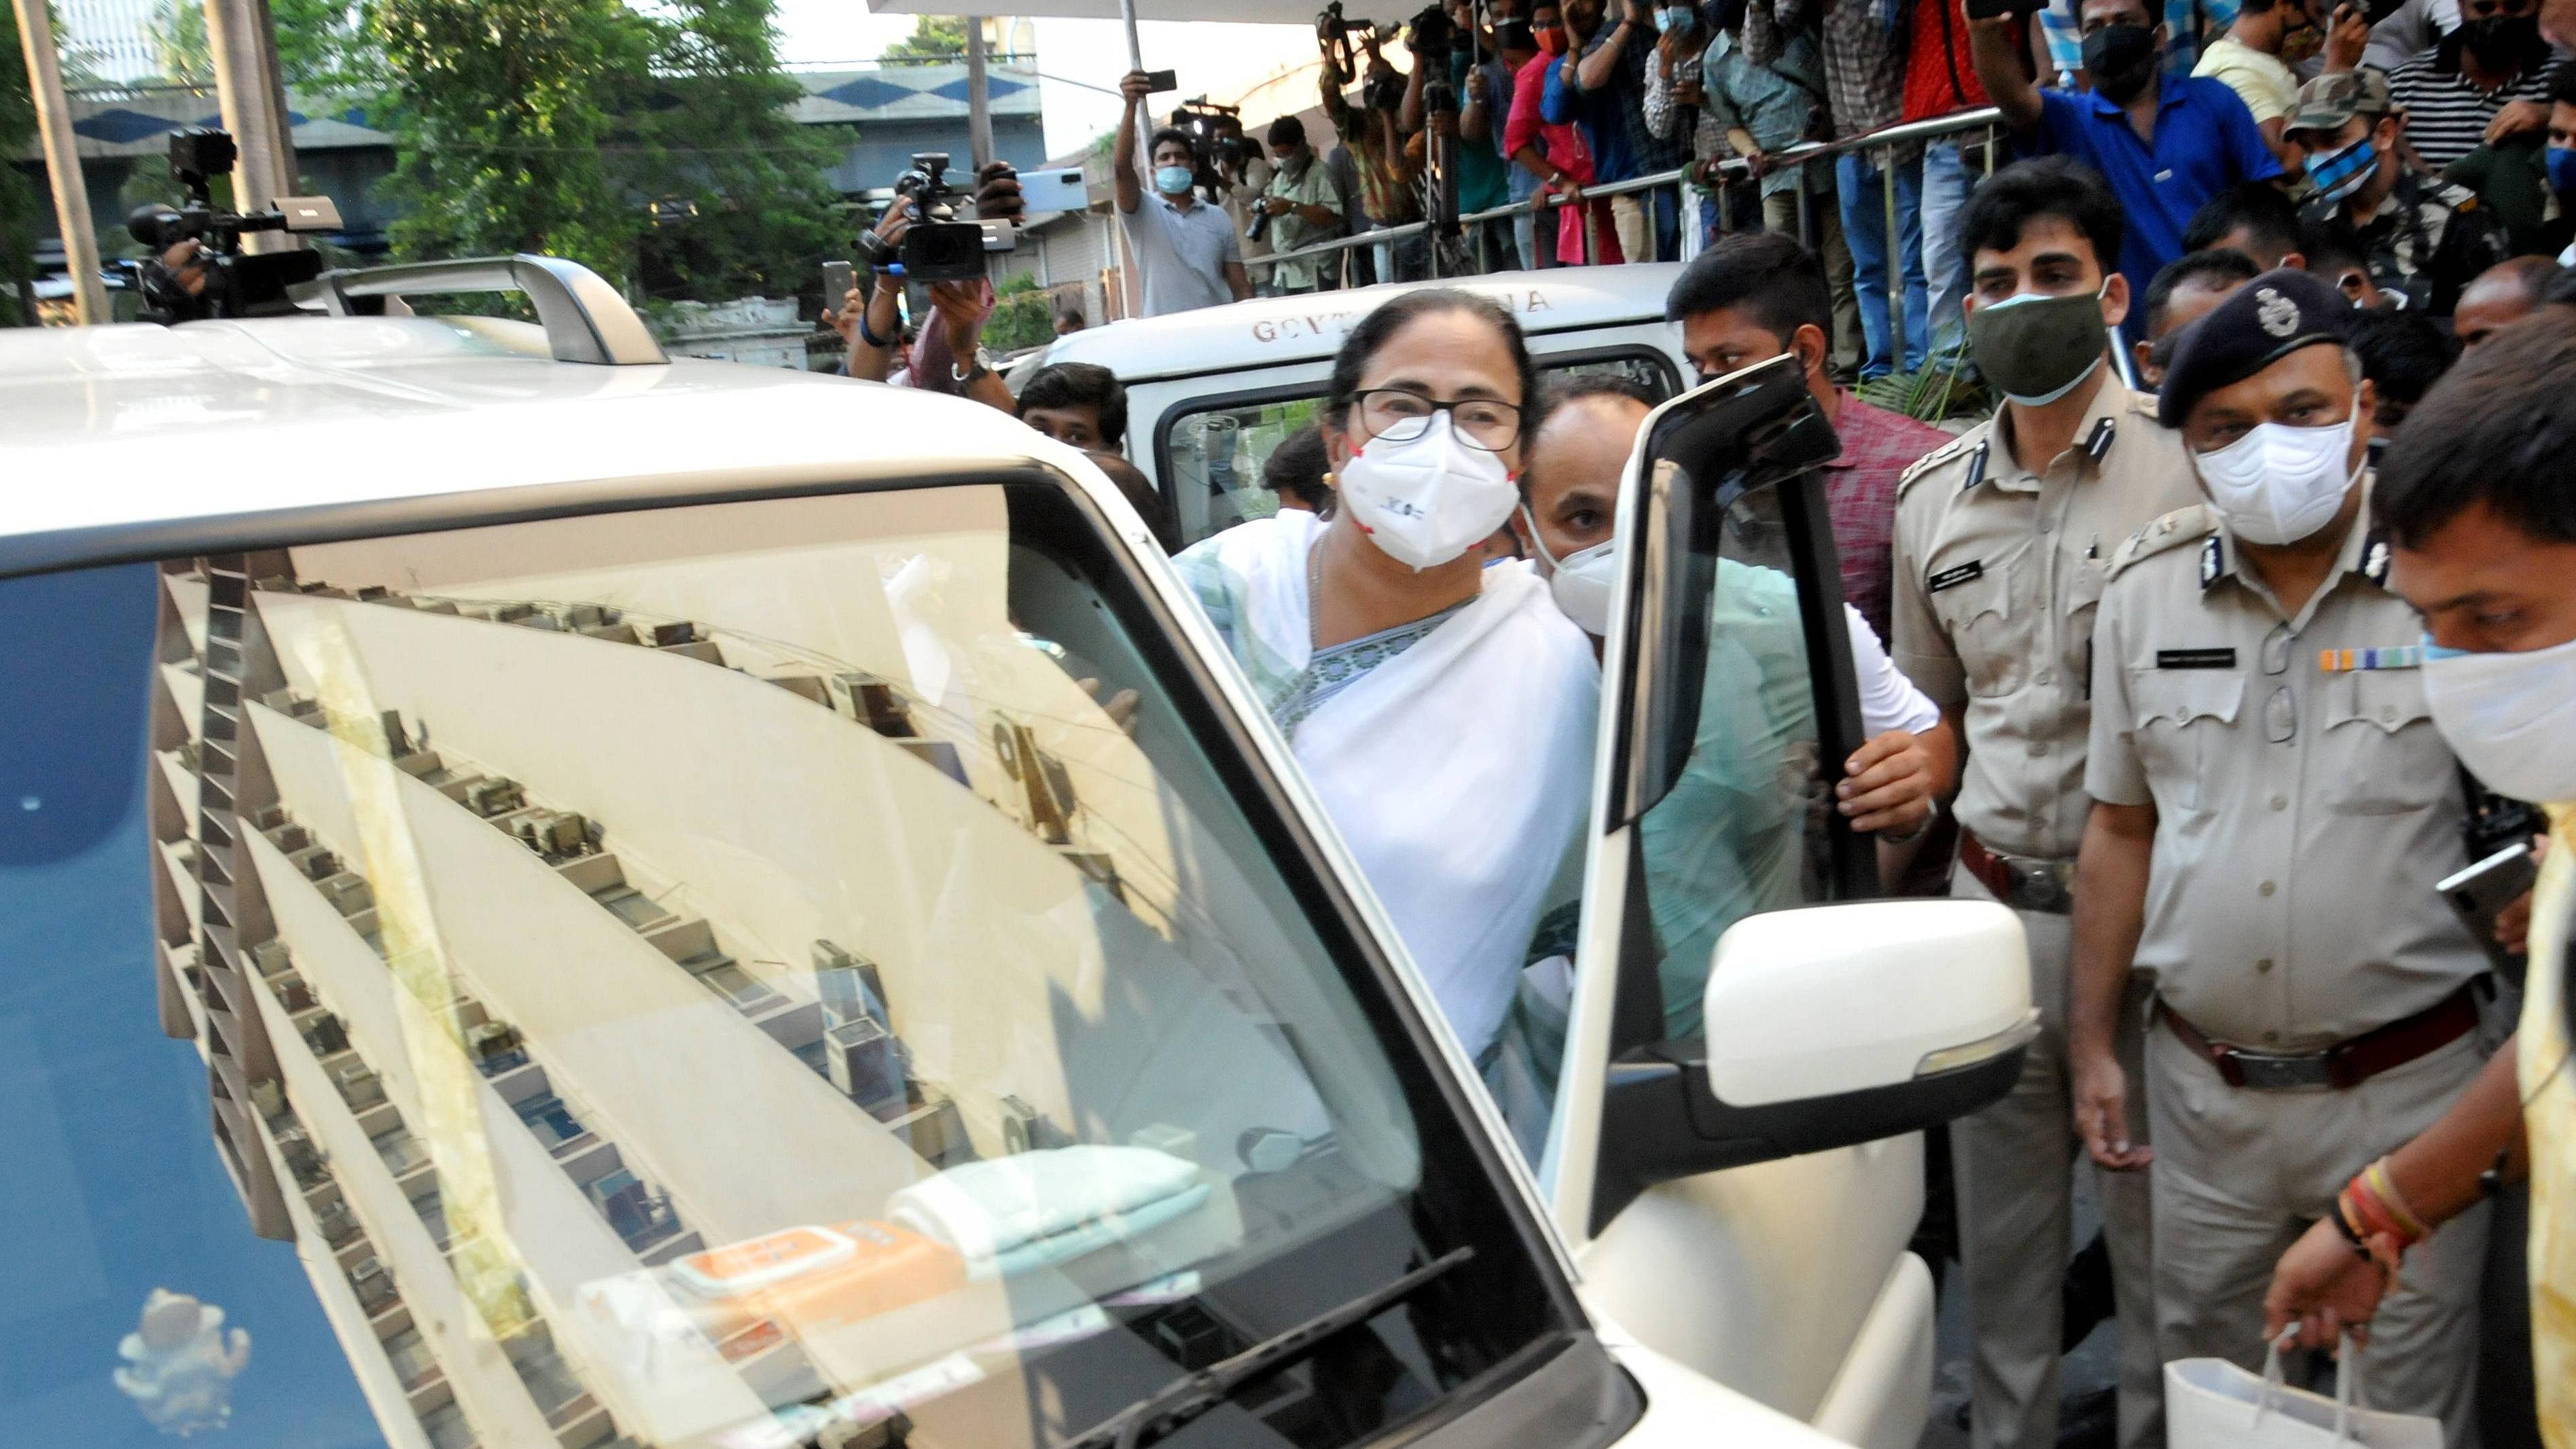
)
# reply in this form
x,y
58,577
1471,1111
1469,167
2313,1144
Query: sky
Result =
x,y
1212,58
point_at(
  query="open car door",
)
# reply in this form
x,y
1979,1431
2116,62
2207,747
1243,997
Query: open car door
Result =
x,y
1741,995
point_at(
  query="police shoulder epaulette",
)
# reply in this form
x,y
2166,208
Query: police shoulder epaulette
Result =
x,y
2182,526
1956,447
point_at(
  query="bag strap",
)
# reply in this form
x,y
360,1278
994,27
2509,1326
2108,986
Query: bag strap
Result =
x,y
2271,1390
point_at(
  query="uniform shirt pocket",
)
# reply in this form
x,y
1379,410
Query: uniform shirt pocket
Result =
x,y
2178,721
2384,754
1977,615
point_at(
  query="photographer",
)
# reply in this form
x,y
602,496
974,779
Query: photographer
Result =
x,y
1187,253
1300,205
1390,171
870,317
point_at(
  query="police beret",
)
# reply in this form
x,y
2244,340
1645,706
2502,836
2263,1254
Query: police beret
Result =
x,y
2271,317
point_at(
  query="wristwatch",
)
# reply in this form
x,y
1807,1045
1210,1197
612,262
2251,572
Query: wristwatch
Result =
x,y
981,369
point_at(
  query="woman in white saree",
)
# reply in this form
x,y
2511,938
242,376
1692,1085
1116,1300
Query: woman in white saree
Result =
x,y
1443,709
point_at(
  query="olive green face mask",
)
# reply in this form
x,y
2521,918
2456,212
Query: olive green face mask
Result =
x,y
2036,349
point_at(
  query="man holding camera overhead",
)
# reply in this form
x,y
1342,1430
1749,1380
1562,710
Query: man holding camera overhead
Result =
x,y
1187,255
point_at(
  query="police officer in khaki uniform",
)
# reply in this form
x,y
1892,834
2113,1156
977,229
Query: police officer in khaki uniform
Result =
x,y
2273,809
2003,540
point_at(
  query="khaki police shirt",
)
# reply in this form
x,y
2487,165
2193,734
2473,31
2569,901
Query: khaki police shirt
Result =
x,y
2305,806
1998,568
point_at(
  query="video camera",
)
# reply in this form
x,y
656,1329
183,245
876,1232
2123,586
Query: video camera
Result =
x,y
1338,36
1216,135
236,284
938,247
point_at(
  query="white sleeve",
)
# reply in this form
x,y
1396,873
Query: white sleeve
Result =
x,y
1888,700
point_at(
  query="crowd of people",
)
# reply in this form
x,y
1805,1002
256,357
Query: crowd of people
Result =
x,y
2214,677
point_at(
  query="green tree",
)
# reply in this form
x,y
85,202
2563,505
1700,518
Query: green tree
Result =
x,y
933,37
20,206
1023,316
630,142
314,42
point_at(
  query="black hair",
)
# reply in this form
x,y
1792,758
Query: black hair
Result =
x,y
1149,503
1582,386
2532,274
1171,133
1394,316
2051,186
2212,270
2562,84
2332,243
2402,353
1779,283
2497,429
1080,385
1287,133
2257,208
1296,469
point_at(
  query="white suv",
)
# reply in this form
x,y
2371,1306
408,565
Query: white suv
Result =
x,y
701,905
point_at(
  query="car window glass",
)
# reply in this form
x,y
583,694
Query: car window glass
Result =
x,y
1742,829
715,975
1213,456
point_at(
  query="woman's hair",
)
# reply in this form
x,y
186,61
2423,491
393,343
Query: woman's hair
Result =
x,y
1378,327
1296,468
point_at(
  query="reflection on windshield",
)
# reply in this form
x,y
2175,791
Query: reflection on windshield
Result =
x,y
739,974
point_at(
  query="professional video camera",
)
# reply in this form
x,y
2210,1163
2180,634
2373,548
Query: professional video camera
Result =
x,y
234,283
1338,36
1216,135
938,247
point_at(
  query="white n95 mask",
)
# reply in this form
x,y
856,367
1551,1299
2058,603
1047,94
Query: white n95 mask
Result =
x,y
2278,484
1428,499
1582,581
2511,718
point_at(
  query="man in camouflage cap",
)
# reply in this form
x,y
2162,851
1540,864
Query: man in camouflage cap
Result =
x,y
2424,237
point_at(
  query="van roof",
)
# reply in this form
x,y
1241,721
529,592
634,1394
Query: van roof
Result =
x,y
124,427
1267,331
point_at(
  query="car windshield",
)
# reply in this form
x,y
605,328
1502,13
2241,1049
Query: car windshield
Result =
x,y
794,971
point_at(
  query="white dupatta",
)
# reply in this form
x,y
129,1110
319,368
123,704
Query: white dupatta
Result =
x,y
1456,771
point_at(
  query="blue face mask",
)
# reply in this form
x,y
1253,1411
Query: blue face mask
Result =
x,y
1672,18
2339,174
1172,180
2561,161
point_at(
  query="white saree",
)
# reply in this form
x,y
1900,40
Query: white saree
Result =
x,y
1455,762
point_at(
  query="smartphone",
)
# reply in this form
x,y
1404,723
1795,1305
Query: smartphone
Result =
x,y
1062,190
1159,81
2480,893
838,279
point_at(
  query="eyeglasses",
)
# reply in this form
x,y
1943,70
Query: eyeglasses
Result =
x,y
1400,416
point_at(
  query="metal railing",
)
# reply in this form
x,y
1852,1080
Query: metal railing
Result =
x,y
1884,142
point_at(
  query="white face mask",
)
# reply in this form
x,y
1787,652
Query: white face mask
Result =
x,y
2511,718
1582,581
2279,484
1429,499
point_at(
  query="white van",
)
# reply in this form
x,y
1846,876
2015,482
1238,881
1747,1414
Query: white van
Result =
x,y
1210,393
547,900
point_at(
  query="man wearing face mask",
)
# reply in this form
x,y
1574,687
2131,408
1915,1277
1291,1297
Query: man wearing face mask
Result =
x,y
2484,82
2273,805
2425,239
1725,842
2165,144
2484,524
2002,542
1186,249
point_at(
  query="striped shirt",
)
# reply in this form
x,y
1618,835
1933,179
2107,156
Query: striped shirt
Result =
x,y
2447,115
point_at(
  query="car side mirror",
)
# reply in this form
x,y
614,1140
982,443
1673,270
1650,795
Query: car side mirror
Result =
x,y
1826,1026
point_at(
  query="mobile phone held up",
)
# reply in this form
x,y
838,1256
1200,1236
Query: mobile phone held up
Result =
x,y
2480,893
1159,81
1989,9
838,279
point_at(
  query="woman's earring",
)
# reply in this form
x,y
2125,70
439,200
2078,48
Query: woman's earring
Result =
x,y
1332,481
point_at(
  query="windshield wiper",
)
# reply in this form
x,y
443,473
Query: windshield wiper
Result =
x,y
1184,1399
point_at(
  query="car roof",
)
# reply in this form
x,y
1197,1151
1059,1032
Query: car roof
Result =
x,y
119,427
1267,331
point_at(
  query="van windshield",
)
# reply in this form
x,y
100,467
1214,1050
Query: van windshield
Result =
x,y
754,974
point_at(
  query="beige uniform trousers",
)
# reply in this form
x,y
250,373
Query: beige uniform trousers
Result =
x,y
2016,1208
2238,1177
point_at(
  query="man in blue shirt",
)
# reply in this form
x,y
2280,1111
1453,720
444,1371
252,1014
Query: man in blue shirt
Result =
x,y
2165,143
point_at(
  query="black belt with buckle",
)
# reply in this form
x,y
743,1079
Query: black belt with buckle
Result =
x,y
2025,883
2347,1063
